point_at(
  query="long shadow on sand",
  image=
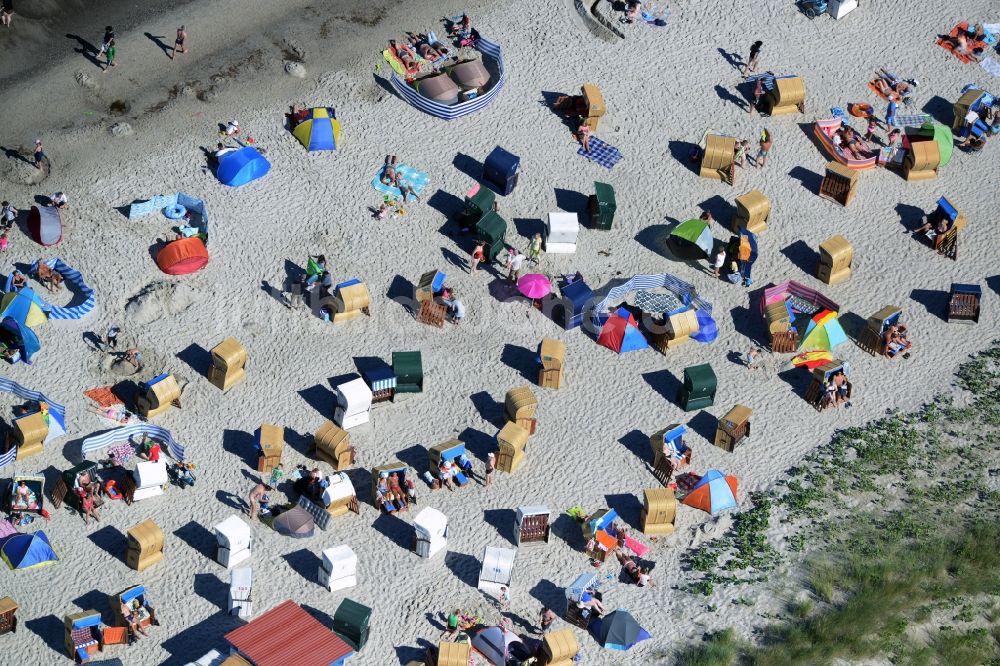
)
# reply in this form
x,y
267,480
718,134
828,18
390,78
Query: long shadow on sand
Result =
x,y
211,589
520,359
196,357
637,442
242,445
911,217
303,562
809,179
50,629
682,151
663,382
628,508
86,49
934,301
198,538
502,520
465,567
703,424
801,255
394,529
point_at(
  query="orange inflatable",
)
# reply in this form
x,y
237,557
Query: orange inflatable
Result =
x,y
183,256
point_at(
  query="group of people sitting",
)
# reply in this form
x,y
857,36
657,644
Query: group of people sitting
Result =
x,y
24,498
851,144
836,390
390,494
969,43
455,471
639,575
895,340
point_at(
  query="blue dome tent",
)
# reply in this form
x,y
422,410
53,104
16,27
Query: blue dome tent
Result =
x,y
27,551
242,166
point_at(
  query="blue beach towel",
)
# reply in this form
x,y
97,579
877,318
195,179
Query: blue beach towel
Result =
x,y
914,120
605,155
407,176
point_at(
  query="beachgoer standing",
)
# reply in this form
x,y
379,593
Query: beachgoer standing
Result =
x,y
111,337
109,36
751,358
766,141
255,496
740,154
39,154
8,214
491,463
179,42
870,132
751,64
478,254
758,92
7,13
87,503
514,265
890,112
535,249
3,241
111,51
583,134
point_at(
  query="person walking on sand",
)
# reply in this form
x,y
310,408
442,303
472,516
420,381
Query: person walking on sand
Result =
x,y
109,36
7,13
514,264
8,214
752,358
751,64
478,254
39,154
535,249
491,465
255,496
741,153
890,113
766,141
179,42
3,241
112,50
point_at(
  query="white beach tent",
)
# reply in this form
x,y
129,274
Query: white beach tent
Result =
x,y
561,232
150,477
431,527
233,540
354,402
339,568
497,570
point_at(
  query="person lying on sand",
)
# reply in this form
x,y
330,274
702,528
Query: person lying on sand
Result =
x,y
405,54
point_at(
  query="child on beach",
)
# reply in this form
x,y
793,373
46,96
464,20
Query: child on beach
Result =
x,y
39,154
740,155
751,63
3,242
870,132
766,141
110,51
478,254
758,92
8,214
535,249
751,358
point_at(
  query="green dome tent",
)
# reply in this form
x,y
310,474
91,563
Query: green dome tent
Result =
x,y
691,240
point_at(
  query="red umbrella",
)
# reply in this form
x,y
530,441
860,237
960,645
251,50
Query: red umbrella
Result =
x,y
534,285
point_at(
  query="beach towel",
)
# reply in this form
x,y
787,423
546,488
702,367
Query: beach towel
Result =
x,y
394,62
991,66
913,120
407,176
104,396
950,46
605,155
636,547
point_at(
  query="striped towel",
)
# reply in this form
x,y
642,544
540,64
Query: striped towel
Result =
x,y
104,397
914,120
407,176
605,155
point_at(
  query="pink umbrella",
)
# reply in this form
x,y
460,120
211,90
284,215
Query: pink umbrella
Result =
x,y
534,285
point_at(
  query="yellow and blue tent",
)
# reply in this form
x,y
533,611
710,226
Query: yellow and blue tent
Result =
x,y
27,551
319,130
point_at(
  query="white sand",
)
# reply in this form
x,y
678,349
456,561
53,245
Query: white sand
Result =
x,y
660,86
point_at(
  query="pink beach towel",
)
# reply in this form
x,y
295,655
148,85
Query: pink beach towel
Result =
x,y
636,547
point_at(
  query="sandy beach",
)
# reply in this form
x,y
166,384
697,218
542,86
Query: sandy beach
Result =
x,y
664,87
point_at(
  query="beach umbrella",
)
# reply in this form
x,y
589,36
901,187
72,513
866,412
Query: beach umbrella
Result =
x,y
296,523
618,630
319,130
470,74
715,492
691,240
942,137
534,285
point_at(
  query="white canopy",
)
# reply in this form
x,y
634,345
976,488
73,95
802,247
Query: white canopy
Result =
x,y
498,566
561,228
523,511
354,397
340,488
431,522
148,474
233,533
340,561
582,582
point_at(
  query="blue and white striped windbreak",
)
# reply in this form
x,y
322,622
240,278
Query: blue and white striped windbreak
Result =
x,y
406,91
75,278
682,289
57,415
106,439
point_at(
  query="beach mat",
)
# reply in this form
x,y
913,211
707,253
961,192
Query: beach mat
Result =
x,y
104,396
394,62
949,46
605,155
911,120
407,176
991,66
636,547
